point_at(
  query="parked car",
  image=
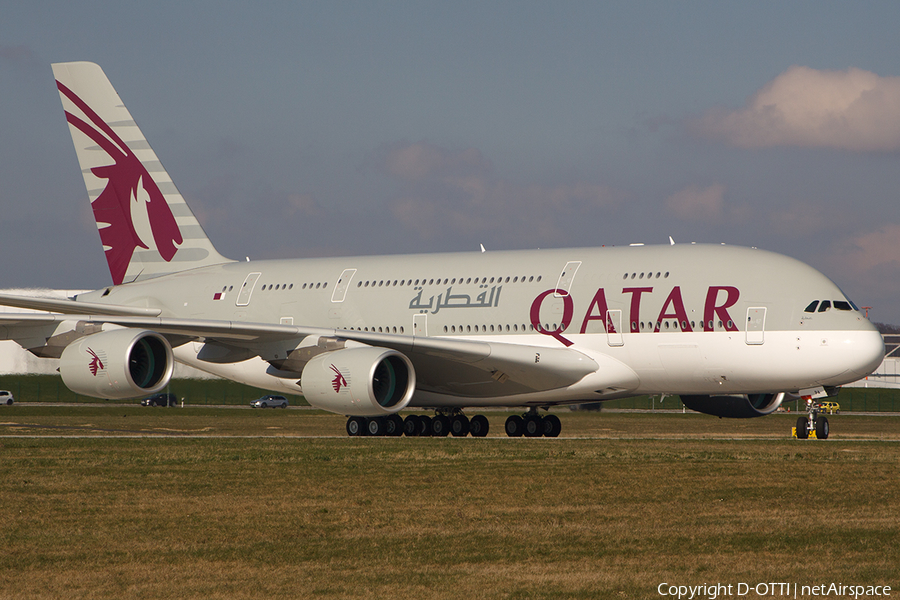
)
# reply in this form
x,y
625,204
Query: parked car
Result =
x,y
6,397
270,400
829,408
160,400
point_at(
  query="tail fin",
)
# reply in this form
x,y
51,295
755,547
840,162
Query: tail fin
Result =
x,y
146,228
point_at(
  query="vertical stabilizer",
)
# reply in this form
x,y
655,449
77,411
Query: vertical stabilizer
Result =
x,y
146,228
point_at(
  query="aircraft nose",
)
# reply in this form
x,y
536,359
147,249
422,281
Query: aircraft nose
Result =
x,y
866,350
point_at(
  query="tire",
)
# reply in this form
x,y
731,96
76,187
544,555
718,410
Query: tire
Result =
x,y
552,426
393,425
459,426
376,426
802,431
264,405
533,426
440,426
478,426
514,426
356,426
411,426
284,405
822,428
424,426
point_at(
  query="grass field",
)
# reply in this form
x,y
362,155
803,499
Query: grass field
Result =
x,y
627,501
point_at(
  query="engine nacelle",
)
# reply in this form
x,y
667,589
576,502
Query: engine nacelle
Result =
x,y
362,382
117,364
735,407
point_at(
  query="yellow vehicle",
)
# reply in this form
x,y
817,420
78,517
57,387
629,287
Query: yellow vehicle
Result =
x,y
829,408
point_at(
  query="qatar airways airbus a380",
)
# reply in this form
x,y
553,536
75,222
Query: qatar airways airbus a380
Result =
x,y
730,330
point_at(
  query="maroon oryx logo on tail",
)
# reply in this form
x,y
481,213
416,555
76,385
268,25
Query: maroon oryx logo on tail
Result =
x,y
338,382
128,184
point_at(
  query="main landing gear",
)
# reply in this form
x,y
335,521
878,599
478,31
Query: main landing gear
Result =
x,y
812,423
453,422
531,424
441,424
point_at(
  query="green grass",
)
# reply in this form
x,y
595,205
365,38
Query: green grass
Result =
x,y
630,503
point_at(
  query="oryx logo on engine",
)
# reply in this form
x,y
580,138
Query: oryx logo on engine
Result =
x,y
96,364
338,382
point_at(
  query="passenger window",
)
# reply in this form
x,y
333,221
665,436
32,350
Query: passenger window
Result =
x,y
826,305
812,306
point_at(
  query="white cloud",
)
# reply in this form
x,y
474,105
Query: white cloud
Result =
x,y
450,193
868,251
867,266
694,203
422,160
849,110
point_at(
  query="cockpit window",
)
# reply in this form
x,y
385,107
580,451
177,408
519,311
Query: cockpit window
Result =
x,y
812,306
852,303
826,305
841,305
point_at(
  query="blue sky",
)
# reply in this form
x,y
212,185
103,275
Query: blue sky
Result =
x,y
311,129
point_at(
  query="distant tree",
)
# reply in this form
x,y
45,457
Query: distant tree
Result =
x,y
887,328
594,406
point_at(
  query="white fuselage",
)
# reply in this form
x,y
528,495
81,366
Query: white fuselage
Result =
x,y
682,319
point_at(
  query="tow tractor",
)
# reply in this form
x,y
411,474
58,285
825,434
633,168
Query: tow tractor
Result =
x,y
812,425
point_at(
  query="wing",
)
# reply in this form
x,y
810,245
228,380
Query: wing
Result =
x,y
463,368
62,305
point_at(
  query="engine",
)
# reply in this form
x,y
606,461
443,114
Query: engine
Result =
x,y
362,382
117,364
742,406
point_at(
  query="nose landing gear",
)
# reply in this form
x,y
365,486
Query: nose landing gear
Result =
x,y
812,425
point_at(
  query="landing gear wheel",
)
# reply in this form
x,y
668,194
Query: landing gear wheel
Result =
x,y
459,426
552,426
514,426
411,426
479,426
821,428
533,426
440,426
376,426
356,426
802,430
424,425
393,425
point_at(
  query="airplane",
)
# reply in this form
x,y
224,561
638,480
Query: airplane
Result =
x,y
731,330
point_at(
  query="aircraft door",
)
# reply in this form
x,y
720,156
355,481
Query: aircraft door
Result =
x,y
340,290
566,277
420,325
614,328
243,298
756,325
